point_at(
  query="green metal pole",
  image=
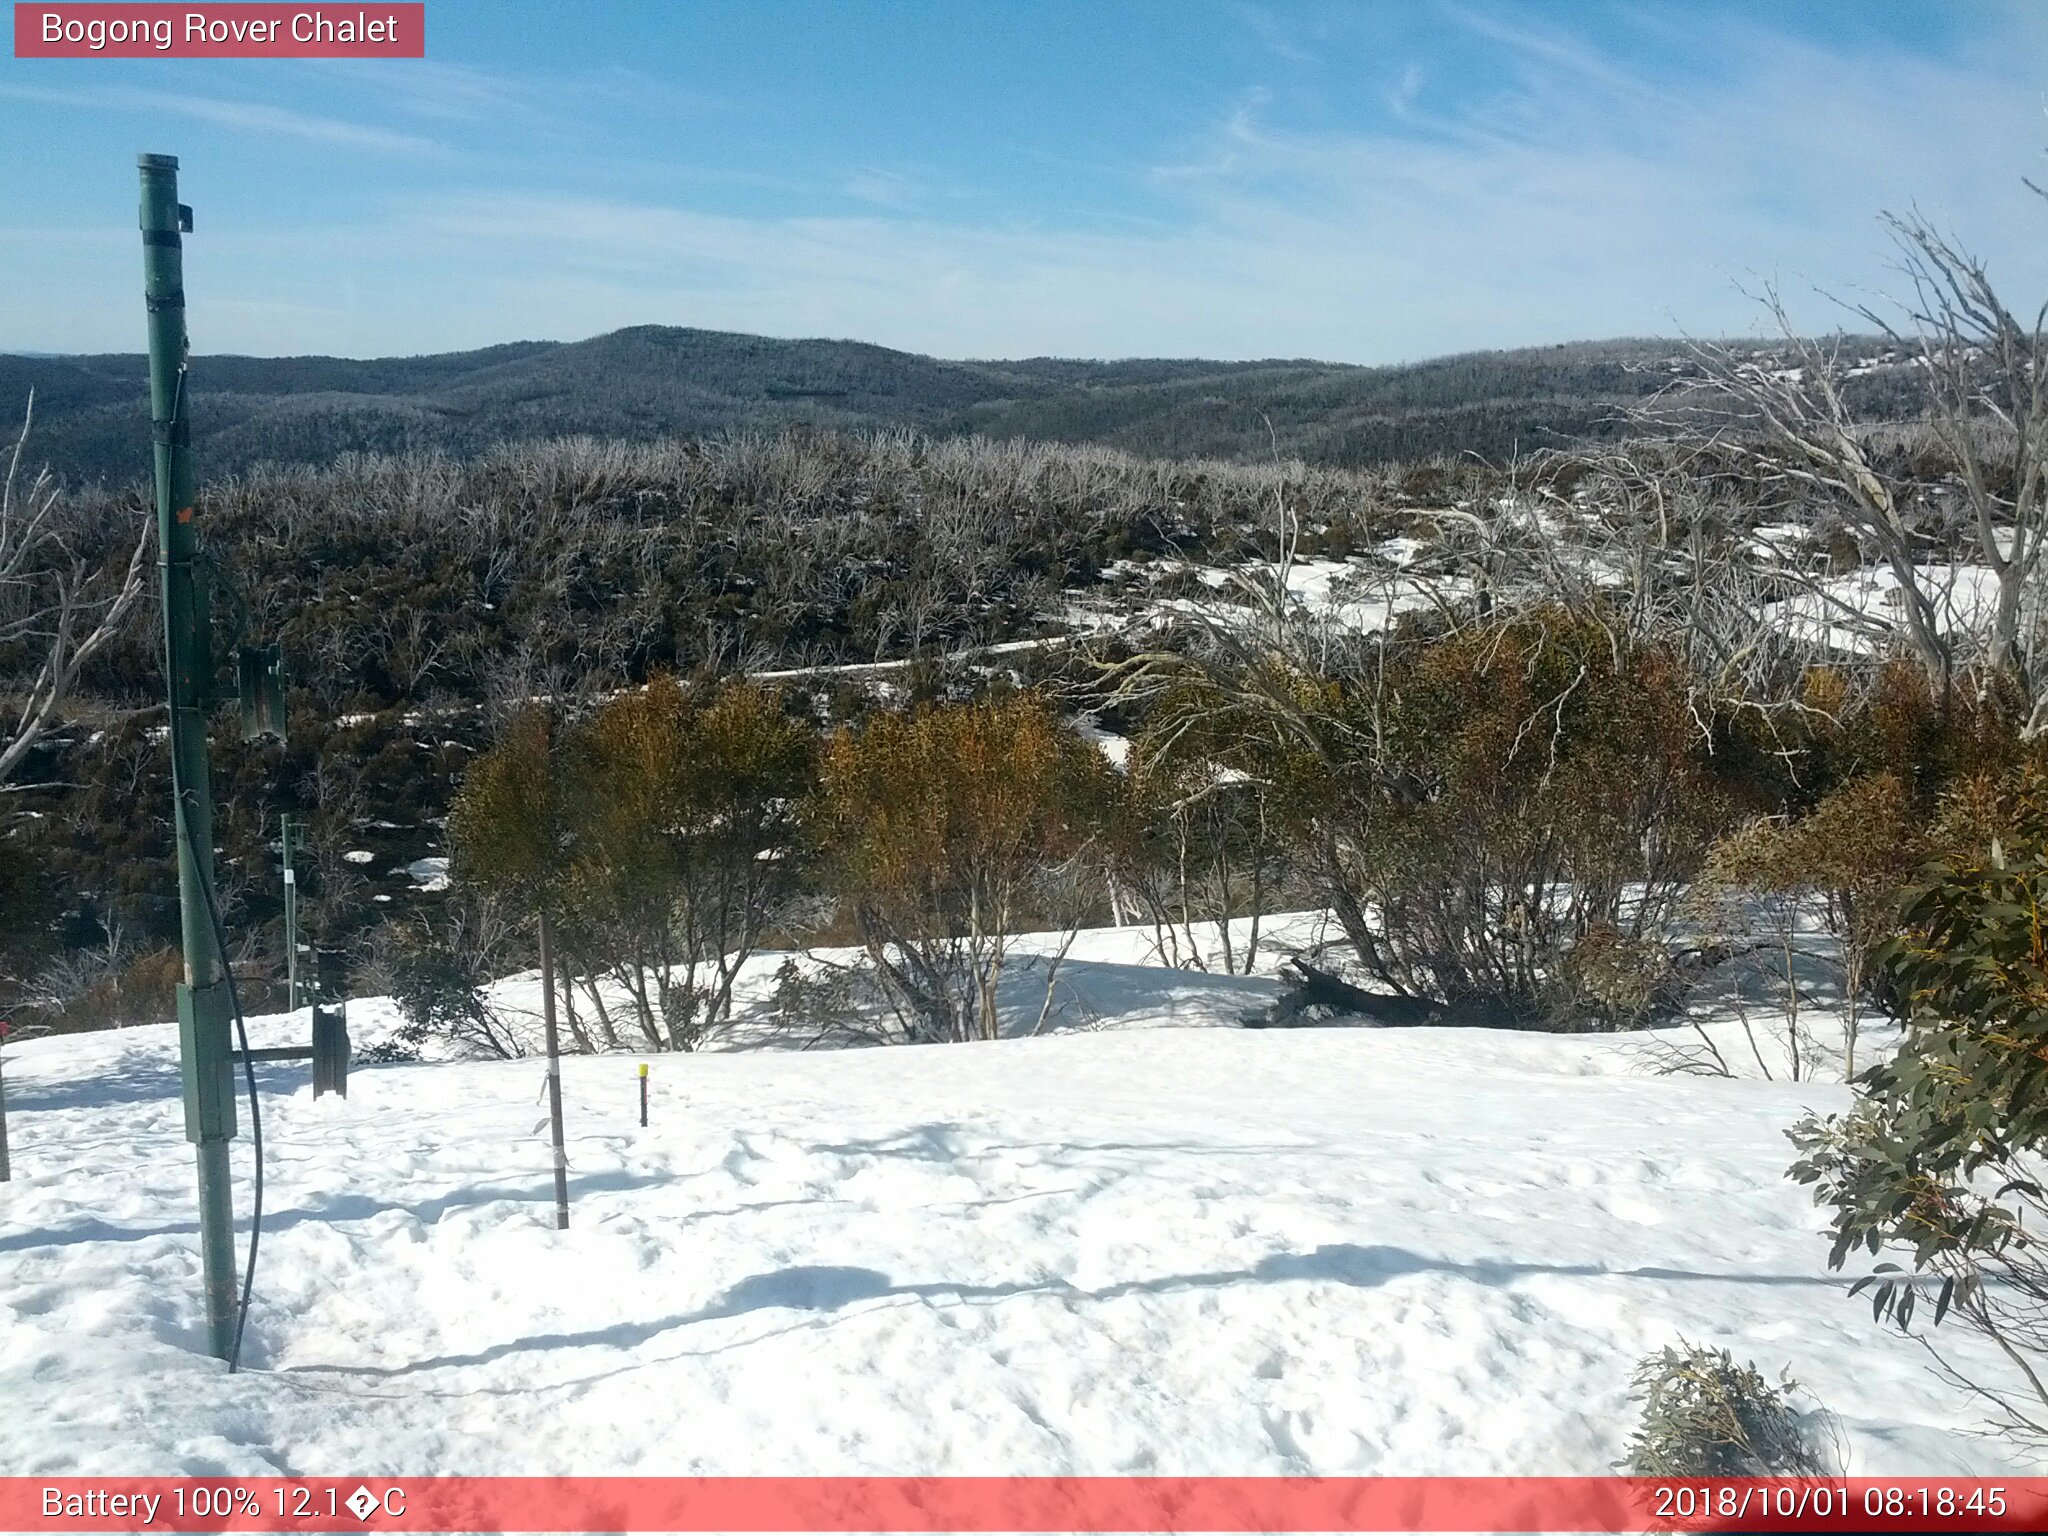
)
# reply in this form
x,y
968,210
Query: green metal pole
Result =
x,y
554,1043
291,918
203,1007
6,1167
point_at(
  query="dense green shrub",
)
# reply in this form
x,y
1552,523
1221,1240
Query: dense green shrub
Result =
x,y
438,981
1705,1416
659,834
1942,1158
1197,836
946,828
1488,800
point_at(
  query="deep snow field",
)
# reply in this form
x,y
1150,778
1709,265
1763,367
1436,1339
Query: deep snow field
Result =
x,y
1138,1243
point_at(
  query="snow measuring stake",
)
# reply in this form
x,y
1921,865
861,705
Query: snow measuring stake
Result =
x,y
207,1004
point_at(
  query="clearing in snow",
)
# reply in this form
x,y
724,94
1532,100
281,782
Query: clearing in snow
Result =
x,y
1168,1249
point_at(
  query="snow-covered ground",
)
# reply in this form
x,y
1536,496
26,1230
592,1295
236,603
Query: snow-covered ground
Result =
x,y
1859,611
1182,1248
1354,596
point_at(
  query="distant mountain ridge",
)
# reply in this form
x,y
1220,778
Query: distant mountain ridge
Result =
x,y
92,420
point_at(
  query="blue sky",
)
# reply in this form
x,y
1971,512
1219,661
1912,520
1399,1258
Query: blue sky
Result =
x,y
1360,180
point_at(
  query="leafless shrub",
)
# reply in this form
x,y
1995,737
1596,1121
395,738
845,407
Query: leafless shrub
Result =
x,y
1984,372
57,607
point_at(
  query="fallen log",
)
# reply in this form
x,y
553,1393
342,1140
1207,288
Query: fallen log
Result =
x,y
1317,996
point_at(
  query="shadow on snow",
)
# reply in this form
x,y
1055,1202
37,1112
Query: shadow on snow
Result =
x,y
830,1288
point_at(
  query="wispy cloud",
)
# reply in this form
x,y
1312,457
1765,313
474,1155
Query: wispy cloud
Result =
x,y
1288,38
885,189
1401,99
1566,189
428,88
240,116
1554,49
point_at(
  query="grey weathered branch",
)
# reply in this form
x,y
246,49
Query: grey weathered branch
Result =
x,y
54,603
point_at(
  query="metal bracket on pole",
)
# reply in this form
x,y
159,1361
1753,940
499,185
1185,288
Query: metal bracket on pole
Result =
x,y
259,681
204,1043
330,1050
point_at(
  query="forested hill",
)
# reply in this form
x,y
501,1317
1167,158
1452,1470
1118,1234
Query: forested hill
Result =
x,y
91,414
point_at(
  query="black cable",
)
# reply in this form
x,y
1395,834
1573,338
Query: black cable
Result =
x,y
220,942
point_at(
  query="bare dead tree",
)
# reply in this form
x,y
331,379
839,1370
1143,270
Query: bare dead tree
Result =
x,y
1986,405
1981,362
56,606
1652,548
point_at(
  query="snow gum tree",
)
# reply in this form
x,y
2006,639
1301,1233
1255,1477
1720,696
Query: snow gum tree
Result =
x,y
1706,1416
1473,803
1531,782
1201,839
510,833
941,826
661,833
686,842
1844,862
509,825
1943,1155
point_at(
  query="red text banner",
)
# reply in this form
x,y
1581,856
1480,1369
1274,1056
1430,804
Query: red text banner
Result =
x,y
236,31
1022,1504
